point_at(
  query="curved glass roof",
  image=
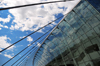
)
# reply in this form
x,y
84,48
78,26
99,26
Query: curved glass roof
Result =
x,y
69,35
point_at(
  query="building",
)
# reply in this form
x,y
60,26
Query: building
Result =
x,y
75,41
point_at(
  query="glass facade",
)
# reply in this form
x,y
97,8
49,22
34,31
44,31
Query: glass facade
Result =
x,y
75,41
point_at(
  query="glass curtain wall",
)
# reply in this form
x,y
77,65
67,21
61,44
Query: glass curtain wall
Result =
x,y
75,41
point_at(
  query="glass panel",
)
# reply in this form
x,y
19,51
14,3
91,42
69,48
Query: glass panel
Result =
x,y
69,16
91,34
93,21
95,3
79,58
92,49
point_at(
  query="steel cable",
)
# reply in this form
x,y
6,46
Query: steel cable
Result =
x,y
31,5
25,48
30,34
27,55
32,47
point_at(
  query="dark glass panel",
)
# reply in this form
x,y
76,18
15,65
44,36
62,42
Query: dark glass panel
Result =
x,y
80,57
92,48
95,3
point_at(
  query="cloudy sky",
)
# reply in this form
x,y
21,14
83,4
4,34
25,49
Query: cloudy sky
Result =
x,y
17,23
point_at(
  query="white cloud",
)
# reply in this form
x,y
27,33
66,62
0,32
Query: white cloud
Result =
x,y
22,37
29,39
2,26
4,43
5,26
5,20
9,55
34,17
12,27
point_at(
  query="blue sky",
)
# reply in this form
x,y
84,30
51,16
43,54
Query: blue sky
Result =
x,y
17,23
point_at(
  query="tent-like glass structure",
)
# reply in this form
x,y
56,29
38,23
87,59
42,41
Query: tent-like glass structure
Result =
x,y
75,41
